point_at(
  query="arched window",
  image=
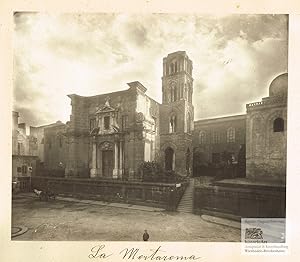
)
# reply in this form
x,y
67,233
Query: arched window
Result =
x,y
202,137
169,159
173,124
216,137
231,135
188,129
172,68
106,122
60,141
181,90
92,123
19,148
174,93
278,125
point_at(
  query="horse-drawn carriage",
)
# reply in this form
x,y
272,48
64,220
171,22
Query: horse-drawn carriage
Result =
x,y
44,195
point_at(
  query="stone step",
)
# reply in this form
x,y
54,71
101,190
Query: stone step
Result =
x,y
187,197
187,200
185,211
189,194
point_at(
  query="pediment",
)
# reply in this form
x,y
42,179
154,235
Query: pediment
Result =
x,y
105,109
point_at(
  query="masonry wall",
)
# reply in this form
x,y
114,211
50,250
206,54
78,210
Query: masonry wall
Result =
x,y
213,137
266,149
56,148
240,201
150,194
39,134
77,130
180,141
138,135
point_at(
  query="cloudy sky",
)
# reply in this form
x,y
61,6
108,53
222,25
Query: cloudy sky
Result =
x,y
234,57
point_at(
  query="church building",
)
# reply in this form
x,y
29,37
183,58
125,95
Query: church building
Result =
x,y
111,135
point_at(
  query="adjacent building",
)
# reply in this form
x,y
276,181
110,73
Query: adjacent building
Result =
x,y
266,136
24,150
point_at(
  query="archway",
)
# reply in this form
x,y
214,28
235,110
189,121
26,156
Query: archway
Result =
x,y
169,159
278,125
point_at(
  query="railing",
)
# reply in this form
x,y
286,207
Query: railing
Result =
x,y
23,184
268,101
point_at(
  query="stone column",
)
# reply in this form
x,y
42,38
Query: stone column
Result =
x,y
94,161
116,170
121,160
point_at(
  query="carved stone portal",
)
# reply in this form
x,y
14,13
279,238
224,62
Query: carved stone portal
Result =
x,y
106,146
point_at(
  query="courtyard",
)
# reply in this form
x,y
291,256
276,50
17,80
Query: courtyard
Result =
x,y
77,221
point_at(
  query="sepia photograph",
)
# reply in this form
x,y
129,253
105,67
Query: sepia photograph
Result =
x,y
157,127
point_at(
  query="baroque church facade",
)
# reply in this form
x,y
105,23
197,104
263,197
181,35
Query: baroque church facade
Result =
x,y
111,135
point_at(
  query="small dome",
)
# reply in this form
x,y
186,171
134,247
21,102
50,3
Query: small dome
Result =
x,y
279,85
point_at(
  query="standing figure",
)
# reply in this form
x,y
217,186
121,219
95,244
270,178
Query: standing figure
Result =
x,y
145,236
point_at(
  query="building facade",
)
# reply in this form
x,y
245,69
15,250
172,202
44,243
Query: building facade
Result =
x,y
217,142
111,135
24,150
266,138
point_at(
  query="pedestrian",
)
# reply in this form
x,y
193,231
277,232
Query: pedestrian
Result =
x,y
145,236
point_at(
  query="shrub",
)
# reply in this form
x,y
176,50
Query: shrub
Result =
x,y
150,171
153,172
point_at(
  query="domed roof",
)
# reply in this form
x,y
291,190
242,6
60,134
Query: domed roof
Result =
x,y
279,85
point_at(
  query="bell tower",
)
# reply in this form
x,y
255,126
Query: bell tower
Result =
x,y
177,80
177,113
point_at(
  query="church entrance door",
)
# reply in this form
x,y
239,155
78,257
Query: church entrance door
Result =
x,y
107,163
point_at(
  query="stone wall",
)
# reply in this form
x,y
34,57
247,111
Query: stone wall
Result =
x,y
151,194
266,141
179,141
56,147
266,149
240,201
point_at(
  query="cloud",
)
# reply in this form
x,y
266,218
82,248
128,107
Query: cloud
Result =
x,y
234,56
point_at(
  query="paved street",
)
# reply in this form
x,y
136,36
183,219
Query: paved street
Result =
x,y
67,220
